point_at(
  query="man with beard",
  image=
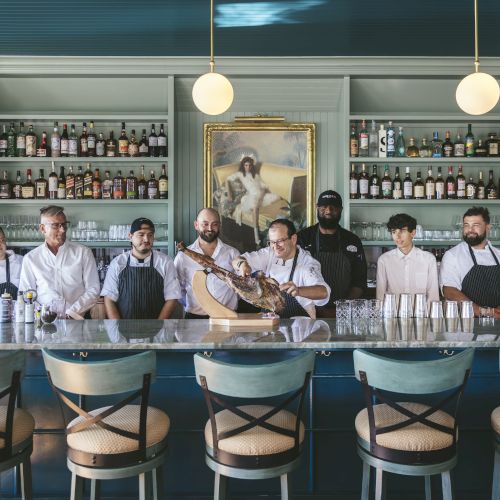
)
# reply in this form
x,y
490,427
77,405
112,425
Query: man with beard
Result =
x,y
207,225
340,252
471,270
141,283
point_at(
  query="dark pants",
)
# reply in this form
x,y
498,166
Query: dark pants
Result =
x,y
189,315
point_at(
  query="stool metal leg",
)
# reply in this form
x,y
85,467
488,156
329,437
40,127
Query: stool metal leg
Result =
x,y
446,484
220,486
76,487
365,485
284,486
428,489
26,482
145,486
157,479
495,493
379,484
95,489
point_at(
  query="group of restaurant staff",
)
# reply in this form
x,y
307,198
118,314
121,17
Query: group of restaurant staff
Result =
x,y
314,268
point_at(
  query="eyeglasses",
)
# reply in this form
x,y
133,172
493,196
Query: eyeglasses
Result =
x,y
57,225
280,242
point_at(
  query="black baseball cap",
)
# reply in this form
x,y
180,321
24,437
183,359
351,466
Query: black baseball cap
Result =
x,y
141,221
330,198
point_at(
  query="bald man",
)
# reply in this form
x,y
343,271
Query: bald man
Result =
x,y
207,225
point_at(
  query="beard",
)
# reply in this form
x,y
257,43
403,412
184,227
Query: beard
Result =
x,y
328,222
209,236
474,240
142,251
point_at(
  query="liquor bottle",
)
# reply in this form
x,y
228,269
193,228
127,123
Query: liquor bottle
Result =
x,y
364,140
353,142
373,140
412,150
440,186
418,187
491,188
447,145
87,183
153,142
459,147
407,185
461,191
424,150
123,142
144,144
41,187
100,146
70,184
21,141
400,144
79,183
131,186
133,145
53,183
18,186
451,186
118,186
480,189
111,145
107,186
163,183
30,142
61,185
55,142
96,185
397,186
11,141
391,141
43,149
142,186
5,188
84,141
470,189
437,146
162,142
152,187
353,183
375,185
386,184
469,141
73,143
3,142
28,189
92,140
430,186
492,145
382,142
480,150
65,141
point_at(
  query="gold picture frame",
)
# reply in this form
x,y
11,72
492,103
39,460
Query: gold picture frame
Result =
x,y
277,178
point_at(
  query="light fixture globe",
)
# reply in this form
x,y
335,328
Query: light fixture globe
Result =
x,y
213,93
477,93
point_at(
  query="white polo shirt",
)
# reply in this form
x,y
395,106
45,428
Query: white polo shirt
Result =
x,y
15,264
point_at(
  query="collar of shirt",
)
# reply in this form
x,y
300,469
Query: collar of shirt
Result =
x,y
137,262
196,246
409,255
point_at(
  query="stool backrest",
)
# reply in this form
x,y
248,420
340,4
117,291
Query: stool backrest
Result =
x,y
100,378
254,381
10,362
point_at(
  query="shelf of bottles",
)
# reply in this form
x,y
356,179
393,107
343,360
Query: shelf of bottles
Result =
x,y
91,244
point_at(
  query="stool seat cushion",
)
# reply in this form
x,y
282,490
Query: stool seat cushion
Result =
x,y
495,420
97,440
415,437
24,423
257,440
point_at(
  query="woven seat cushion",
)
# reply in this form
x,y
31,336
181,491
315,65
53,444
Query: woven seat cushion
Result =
x,y
257,440
100,441
495,420
415,437
23,426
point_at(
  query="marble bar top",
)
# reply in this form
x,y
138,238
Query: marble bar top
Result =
x,y
300,333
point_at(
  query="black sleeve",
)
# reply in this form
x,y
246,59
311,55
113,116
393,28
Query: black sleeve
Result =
x,y
305,238
358,266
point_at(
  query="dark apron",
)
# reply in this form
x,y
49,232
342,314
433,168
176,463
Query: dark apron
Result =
x,y
7,286
292,306
140,292
482,283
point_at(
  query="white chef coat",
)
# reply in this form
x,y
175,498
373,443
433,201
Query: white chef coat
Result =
x,y
307,273
457,262
161,262
69,278
186,267
15,263
415,272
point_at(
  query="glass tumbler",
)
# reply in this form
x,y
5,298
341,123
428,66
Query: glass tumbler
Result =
x,y
343,310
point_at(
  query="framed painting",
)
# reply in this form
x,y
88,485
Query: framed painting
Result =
x,y
256,172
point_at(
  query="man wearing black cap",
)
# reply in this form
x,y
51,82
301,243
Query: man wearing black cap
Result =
x,y
340,252
140,283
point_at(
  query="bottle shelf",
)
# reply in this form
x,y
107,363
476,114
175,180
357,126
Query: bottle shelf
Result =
x,y
86,117
380,203
87,202
91,244
88,159
420,161
399,118
418,243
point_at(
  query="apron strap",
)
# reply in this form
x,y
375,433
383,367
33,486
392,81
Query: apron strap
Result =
x,y
474,257
494,256
294,264
7,269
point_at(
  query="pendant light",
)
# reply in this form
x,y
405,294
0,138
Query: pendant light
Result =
x,y
478,92
212,92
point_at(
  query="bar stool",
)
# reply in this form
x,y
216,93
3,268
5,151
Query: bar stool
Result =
x,y
111,442
16,424
495,423
409,438
253,441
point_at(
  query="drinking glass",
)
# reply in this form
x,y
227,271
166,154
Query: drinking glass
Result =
x,y
359,309
467,309
451,314
436,309
48,314
389,307
420,310
343,310
405,305
487,315
374,308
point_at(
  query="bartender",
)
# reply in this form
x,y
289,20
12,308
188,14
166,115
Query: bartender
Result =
x,y
471,270
141,283
10,268
298,274
339,252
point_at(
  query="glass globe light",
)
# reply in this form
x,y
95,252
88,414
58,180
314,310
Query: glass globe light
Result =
x,y
477,93
213,93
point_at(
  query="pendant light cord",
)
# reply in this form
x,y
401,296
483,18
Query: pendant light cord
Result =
x,y
212,60
476,43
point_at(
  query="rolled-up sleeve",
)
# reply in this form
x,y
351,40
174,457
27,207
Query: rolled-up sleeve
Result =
x,y
449,274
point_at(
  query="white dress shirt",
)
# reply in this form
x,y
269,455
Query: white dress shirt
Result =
x,y
15,263
186,267
415,272
307,273
161,262
457,262
68,279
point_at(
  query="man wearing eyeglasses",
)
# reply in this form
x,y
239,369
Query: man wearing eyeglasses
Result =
x,y
10,268
63,273
298,274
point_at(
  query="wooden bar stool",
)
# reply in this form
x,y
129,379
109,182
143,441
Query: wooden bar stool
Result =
x,y
409,438
111,442
253,441
495,423
16,424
